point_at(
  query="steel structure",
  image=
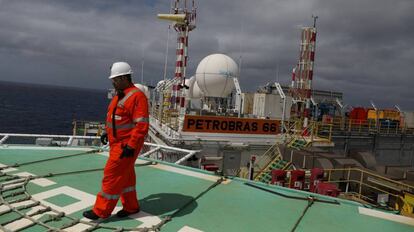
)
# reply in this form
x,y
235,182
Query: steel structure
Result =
x,y
183,17
302,75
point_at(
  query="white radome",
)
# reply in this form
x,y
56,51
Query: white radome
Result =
x,y
193,91
189,82
159,84
196,92
214,75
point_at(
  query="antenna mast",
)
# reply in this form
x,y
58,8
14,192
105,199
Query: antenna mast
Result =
x,y
302,74
183,19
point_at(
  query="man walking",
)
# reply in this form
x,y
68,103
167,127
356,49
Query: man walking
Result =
x,y
126,127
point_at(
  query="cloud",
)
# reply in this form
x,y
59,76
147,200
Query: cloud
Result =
x,y
364,48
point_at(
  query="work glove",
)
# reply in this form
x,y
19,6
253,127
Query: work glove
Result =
x,y
104,138
127,152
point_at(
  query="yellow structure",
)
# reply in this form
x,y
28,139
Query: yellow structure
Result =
x,y
178,18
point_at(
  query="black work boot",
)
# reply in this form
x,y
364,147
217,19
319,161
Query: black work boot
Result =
x,y
122,213
90,214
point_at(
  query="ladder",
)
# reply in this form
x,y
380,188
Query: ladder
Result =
x,y
278,163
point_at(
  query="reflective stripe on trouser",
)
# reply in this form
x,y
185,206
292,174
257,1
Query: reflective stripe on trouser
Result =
x,y
119,180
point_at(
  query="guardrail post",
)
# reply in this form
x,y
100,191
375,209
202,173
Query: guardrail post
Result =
x,y
4,139
348,177
329,175
360,184
70,140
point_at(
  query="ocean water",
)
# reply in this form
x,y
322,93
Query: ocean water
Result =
x,y
41,109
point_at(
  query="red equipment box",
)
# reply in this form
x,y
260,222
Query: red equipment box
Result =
x,y
327,189
278,177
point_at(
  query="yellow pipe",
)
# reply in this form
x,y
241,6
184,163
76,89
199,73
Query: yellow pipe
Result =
x,y
179,18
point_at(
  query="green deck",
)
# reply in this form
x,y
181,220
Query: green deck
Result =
x,y
164,188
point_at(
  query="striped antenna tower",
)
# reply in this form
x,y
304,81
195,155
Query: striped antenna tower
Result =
x,y
302,75
183,16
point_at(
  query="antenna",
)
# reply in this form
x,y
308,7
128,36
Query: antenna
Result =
x,y
142,66
373,105
240,47
168,42
183,19
302,74
315,17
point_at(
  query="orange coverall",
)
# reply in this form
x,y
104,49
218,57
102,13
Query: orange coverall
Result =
x,y
126,124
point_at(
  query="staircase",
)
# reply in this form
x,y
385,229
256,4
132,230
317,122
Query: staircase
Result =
x,y
299,143
278,163
270,160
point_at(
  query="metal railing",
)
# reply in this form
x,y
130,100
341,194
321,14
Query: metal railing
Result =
x,y
363,183
151,150
266,159
384,127
84,128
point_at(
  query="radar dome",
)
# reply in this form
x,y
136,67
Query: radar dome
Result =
x,y
189,82
195,91
159,84
214,75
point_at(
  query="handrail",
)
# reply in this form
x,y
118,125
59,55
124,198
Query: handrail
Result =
x,y
372,174
268,157
187,153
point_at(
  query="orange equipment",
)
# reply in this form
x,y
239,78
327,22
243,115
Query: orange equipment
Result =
x,y
126,125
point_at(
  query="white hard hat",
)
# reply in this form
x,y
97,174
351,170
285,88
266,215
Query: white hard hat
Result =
x,y
120,69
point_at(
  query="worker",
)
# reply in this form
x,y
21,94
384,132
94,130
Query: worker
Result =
x,y
126,128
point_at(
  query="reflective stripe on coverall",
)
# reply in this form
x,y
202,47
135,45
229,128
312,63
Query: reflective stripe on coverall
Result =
x,y
131,127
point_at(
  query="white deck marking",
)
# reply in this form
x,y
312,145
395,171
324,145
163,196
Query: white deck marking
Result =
x,y
4,208
78,227
25,222
148,220
18,224
189,173
189,229
386,216
43,182
178,170
7,169
85,199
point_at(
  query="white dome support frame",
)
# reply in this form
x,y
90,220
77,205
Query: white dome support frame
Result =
x,y
238,102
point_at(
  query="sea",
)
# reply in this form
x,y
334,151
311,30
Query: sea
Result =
x,y
43,109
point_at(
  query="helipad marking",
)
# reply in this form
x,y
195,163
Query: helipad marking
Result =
x,y
386,216
85,199
19,224
43,182
148,220
78,227
7,169
189,229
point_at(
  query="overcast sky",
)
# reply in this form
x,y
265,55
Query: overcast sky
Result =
x,y
365,48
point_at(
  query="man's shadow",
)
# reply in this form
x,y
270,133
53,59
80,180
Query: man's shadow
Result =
x,y
167,203
162,204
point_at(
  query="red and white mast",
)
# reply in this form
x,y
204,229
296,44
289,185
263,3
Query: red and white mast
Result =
x,y
302,75
184,22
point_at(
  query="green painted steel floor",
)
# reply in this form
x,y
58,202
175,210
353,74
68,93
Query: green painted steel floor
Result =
x,y
165,188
